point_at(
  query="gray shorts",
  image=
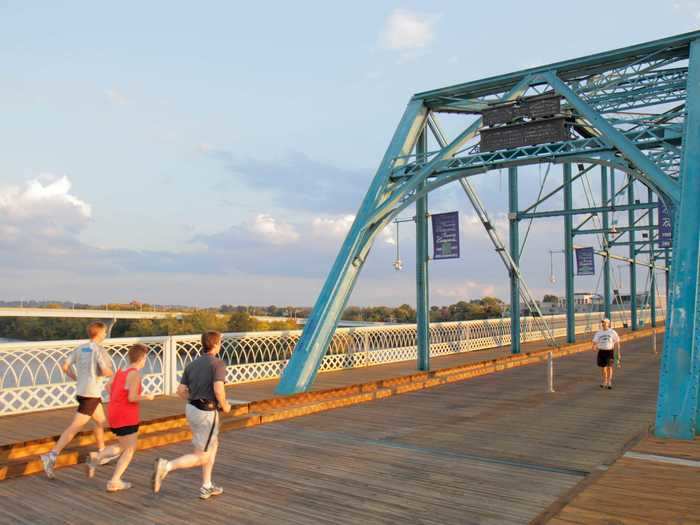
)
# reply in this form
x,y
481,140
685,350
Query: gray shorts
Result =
x,y
204,425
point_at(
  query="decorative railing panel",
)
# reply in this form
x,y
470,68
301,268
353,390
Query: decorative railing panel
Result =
x,y
31,378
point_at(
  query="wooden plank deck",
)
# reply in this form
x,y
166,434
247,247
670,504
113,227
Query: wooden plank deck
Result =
x,y
492,450
38,425
642,491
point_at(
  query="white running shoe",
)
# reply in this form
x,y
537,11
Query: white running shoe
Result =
x,y
208,492
48,461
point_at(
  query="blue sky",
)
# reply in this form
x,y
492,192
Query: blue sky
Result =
x,y
212,153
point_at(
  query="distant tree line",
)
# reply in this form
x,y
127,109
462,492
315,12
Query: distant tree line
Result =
x,y
229,318
51,328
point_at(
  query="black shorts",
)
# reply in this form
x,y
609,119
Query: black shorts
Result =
x,y
605,358
125,431
88,405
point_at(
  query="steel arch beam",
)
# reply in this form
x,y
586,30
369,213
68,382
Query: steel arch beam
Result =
x,y
318,331
677,406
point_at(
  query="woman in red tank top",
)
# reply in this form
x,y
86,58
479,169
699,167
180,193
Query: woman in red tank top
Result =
x,y
123,412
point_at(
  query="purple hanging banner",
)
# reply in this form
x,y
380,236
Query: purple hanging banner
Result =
x,y
585,262
665,238
445,235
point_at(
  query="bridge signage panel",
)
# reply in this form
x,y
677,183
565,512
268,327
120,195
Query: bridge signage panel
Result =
x,y
585,261
445,235
532,107
665,226
526,134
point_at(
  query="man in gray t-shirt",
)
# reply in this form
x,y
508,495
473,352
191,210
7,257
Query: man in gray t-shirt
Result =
x,y
201,374
202,385
85,365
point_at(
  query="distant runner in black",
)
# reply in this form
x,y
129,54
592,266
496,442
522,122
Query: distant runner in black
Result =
x,y
606,341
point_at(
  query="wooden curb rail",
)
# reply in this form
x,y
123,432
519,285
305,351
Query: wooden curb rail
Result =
x,y
22,458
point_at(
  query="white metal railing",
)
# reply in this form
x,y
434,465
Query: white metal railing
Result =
x,y
31,378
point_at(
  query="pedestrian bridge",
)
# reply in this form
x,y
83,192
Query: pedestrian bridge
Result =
x,y
31,378
476,440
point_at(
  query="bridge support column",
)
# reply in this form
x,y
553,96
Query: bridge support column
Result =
x,y
422,294
569,257
606,240
634,320
514,239
677,407
652,259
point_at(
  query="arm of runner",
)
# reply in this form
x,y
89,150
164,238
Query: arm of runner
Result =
x,y
133,384
183,389
67,366
220,393
183,392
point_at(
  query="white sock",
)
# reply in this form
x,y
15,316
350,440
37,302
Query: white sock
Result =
x,y
207,485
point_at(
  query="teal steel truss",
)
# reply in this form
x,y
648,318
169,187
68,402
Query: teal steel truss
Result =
x,y
633,111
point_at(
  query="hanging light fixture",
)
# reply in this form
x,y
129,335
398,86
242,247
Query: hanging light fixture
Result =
x,y
398,264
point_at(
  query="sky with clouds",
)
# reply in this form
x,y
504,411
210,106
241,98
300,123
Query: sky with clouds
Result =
x,y
216,153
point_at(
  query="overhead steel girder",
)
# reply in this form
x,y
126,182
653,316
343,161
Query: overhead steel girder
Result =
x,y
618,60
583,211
649,172
631,92
584,149
660,87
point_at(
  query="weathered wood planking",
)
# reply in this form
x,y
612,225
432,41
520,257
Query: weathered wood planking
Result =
x,y
641,492
38,425
493,450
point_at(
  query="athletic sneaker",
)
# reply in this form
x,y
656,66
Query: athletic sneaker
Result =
x,y
208,492
48,461
609,387
106,460
116,487
91,464
159,472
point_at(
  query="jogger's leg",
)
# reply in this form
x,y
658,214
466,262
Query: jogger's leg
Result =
x,y
98,416
79,421
195,459
208,466
128,447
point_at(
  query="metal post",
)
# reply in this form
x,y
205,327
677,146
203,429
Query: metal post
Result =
x,y
515,255
569,257
422,297
606,240
633,255
652,258
677,406
550,373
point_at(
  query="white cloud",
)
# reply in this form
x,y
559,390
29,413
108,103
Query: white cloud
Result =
x,y
463,290
408,32
45,206
271,230
338,227
689,6
116,97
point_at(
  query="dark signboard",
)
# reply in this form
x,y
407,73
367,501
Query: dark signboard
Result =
x,y
445,235
665,226
585,262
540,106
526,134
